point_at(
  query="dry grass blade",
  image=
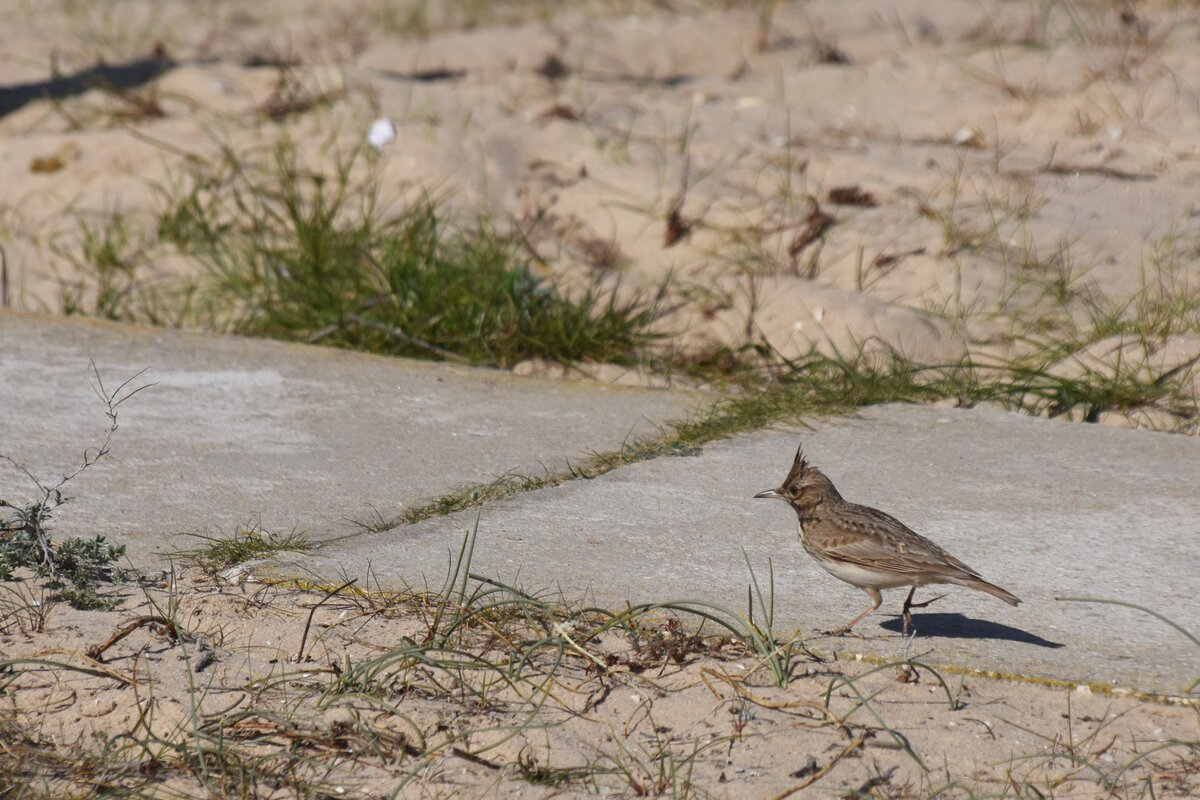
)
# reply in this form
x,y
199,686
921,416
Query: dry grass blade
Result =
x,y
92,667
312,611
738,686
852,746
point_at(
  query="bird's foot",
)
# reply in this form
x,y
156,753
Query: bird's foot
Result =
x,y
906,613
927,602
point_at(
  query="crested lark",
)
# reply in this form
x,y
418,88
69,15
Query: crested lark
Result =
x,y
867,548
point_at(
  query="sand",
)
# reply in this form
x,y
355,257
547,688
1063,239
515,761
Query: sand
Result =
x,y
982,149
276,682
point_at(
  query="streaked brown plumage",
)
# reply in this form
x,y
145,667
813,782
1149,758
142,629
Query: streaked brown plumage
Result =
x,y
868,548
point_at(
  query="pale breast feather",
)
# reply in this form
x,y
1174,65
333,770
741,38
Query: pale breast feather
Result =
x,y
860,576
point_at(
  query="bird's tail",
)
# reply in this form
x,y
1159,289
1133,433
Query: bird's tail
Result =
x,y
993,590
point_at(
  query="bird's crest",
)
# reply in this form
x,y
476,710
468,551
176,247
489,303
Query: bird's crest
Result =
x,y
798,468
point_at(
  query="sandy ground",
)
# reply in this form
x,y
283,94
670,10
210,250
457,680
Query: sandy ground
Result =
x,y
287,687
881,173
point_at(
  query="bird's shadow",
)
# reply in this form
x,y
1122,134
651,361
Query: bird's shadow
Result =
x,y
958,626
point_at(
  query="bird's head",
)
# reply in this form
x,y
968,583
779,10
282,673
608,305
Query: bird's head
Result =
x,y
805,487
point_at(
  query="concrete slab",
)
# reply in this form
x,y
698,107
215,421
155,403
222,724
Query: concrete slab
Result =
x,y
1042,508
243,431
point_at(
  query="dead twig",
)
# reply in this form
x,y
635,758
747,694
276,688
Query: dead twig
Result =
x,y
741,691
96,651
813,227
852,196
677,227
3,278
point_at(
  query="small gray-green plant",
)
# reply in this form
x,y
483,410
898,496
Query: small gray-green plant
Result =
x,y
73,566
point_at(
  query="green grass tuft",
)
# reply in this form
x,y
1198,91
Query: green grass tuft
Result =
x,y
247,544
303,256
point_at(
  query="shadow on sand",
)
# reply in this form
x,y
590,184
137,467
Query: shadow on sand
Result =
x,y
958,626
129,75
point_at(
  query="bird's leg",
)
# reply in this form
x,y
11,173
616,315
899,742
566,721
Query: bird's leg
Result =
x,y
876,600
909,604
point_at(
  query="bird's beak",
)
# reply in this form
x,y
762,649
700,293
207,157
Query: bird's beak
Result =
x,y
769,493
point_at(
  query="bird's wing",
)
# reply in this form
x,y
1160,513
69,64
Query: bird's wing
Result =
x,y
870,538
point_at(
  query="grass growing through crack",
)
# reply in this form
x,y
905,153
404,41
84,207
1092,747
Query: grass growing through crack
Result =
x,y
218,552
815,385
818,385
